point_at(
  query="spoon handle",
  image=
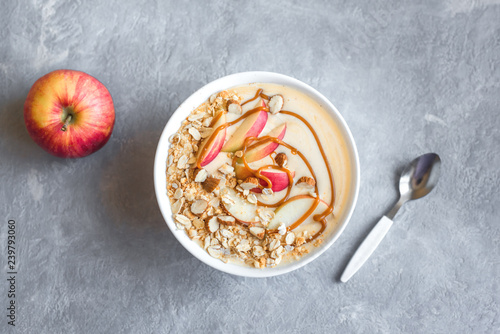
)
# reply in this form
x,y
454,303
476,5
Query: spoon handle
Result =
x,y
367,247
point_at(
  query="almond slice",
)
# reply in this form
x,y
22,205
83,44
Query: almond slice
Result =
x,y
194,133
234,107
183,220
226,169
259,232
306,182
212,225
199,206
206,242
227,220
182,162
178,193
176,207
200,175
214,252
249,183
210,184
290,238
275,104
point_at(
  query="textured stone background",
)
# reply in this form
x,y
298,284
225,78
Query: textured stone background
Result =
x,y
94,254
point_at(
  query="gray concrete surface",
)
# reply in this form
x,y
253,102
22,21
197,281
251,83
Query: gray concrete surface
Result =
x,y
93,252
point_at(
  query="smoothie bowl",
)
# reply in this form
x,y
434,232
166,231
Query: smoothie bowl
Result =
x,y
256,174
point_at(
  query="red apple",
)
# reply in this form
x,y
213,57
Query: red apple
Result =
x,y
251,126
261,151
208,153
69,113
278,178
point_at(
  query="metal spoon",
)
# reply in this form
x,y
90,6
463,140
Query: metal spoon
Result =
x,y
417,180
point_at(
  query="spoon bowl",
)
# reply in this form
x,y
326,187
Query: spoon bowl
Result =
x,y
417,180
420,177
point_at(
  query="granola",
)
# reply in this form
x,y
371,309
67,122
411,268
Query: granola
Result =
x,y
200,199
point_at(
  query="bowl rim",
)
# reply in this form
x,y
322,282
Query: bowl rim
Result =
x,y
196,99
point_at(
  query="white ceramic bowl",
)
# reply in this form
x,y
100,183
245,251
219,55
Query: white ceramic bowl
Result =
x,y
193,102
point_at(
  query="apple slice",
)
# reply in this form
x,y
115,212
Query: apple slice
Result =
x,y
241,210
278,178
251,126
292,210
242,172
207,154
262,150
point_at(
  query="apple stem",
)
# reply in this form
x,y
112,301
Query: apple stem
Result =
x,y
66,122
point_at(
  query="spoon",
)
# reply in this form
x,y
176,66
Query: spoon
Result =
x,y
416,181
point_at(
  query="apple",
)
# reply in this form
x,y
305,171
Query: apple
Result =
x,y
242,172
278,178
292,210
262,150
69,113
242,210
214,146
251,126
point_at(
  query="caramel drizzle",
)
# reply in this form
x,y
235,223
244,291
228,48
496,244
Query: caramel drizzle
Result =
x,y
329,210
257,173
257,95
258,141
252,142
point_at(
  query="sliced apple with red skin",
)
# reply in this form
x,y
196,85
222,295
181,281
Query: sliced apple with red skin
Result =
x,y
262,150
293,209
251,126
242,210
279,179
215,145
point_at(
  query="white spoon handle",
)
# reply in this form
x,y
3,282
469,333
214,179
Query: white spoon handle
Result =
x,y
367,247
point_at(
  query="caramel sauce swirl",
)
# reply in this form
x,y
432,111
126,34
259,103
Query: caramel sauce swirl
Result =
x,y
252,142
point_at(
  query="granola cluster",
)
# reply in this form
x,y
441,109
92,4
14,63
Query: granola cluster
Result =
x,y
199,199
